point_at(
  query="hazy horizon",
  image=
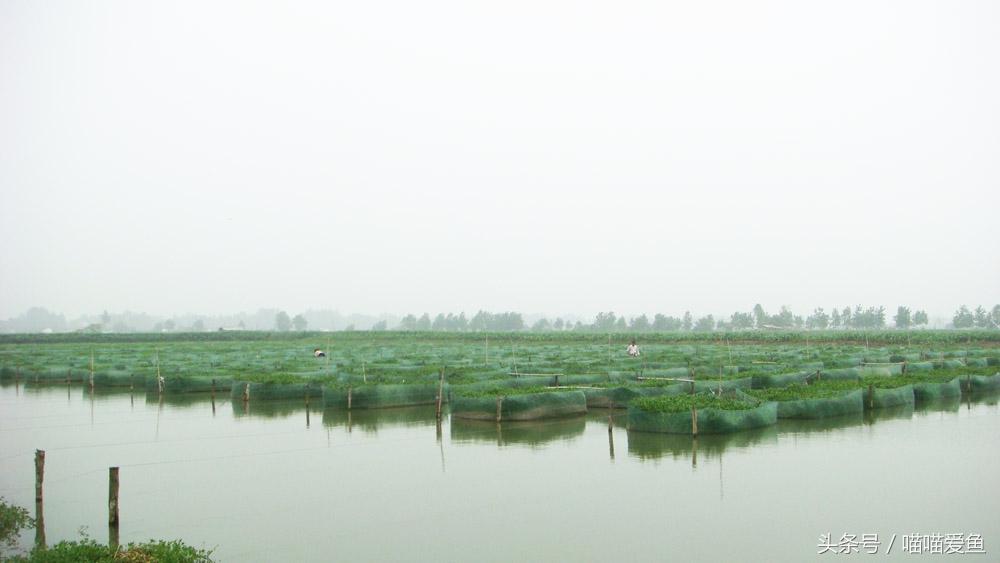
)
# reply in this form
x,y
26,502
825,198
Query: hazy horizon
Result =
x,y
542,157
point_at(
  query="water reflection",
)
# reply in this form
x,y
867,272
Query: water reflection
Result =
x,y
183,400
533,433
889,413
370,420
270,409
653,445
819,425
944,404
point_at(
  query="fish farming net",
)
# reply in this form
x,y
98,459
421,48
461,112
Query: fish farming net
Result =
x,y
933,391
269,391
381,396
521,406
730,412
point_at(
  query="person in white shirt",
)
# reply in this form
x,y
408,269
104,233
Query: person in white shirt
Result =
x,y
319,353
633,349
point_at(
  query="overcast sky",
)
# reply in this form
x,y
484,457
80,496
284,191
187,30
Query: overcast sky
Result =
x,y
538,156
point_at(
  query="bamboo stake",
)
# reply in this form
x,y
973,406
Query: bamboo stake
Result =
x,y
611,439
39,505
499,402
440,394
113,496
694,421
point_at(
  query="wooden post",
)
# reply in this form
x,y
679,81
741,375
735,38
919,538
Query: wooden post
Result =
x,y
611,439
39,475
557,380
39,505
364,373
440,394
871,396
246,393
694,421
350,391
113,496
499,402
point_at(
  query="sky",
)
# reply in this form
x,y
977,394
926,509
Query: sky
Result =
x,y
540,156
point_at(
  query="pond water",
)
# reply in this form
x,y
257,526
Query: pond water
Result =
x,y
283,483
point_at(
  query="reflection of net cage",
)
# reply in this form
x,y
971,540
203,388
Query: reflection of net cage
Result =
x,y
527,433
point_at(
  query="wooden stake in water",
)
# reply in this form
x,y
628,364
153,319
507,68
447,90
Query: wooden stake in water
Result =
x,y
611,439
91,368
694,421
39,507
499,402
440,394
113,496
159,378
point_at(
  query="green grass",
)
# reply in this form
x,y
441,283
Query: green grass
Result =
x,y
88,550
681,403
818,390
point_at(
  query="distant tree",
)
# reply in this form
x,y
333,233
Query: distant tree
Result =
x,y
920,318
424,322
380,325
282,322
639,324
169,324
461,323
605,322
995,317
481,321
440,322
784,319
705,324
621,325
558,324
759,316
818,320
105,318
197,326
299,322
741,321
688,322
835,318
963,318
349,328
664,323
541,325
845,316
903,319
982,317
409,322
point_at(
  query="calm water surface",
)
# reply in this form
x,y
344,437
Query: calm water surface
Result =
x,y
276,483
